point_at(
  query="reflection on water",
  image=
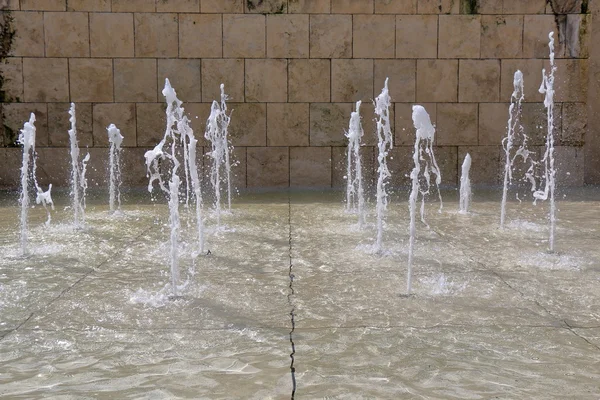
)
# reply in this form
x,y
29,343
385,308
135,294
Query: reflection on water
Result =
x,y
291,302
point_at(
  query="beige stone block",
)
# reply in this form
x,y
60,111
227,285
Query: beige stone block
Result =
x,y
197,114
489,7
309,6
535,36
569,166
266,80
9,175
339,172
45,80
437,80
28,40
133,5
151,123
459,36
328,123
111,34
16,114
200,36
238,168
222,6
404,132
11,71
268,167
135,80
91,80
402,82
449,163
400,163
331,36
578,35
479,81
438,7
352,7
244,36
287,124
532,77
574,124
184,76
178,6
310,167
501,36
395,6
351,80
486,164
287,36
67,34
367,27
52,167
493,119
123,115
156,35
12,5
369,123
248,125
266,6
133,171
571,82
230,72
416,36
457,124
59,124
309,81
535,124
523,7
44,5
88,5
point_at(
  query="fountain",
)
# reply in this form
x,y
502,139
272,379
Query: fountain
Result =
x,y
355,196
465,186
78,170
114,157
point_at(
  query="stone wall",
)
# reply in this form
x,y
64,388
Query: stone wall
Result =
x,y
293,69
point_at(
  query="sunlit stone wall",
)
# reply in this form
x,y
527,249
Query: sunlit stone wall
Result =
x,y
293,68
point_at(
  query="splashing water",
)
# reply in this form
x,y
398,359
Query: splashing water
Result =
x,y
78,170
114,157
355,196
465,186
385,144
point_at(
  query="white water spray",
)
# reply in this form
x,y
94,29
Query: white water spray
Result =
x,y
114,157
385,144
465,186
355,196
78,170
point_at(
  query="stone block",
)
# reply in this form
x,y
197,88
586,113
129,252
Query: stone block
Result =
x,y
416,36
151,123
89,5
570,83
309,81
369,124
404,132
200,36
287,124
45,80
287,36
574,124
449,163
133,171
53,167
310,167
352,7
198,113
244,36
479,81
459,36
489,7
67,34
309,6
400,163
457,124
395,6
438,7
43,5
331,36
59,124
523,7
532,77
437,81
184,75
133,5
248,125
178,6
11,70
16,114
267,167
486,164
493,120
230,72
135,80
28,40
12,5
365,28
578,35
222,6
266,80
111,35
328,123
569,166
239,161
265,6
123,115
91,80
9,175
339,172
351,80
402,82
535,36
535,124
501,36
156,35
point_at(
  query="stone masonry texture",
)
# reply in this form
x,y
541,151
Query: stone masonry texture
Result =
x,y
293,70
